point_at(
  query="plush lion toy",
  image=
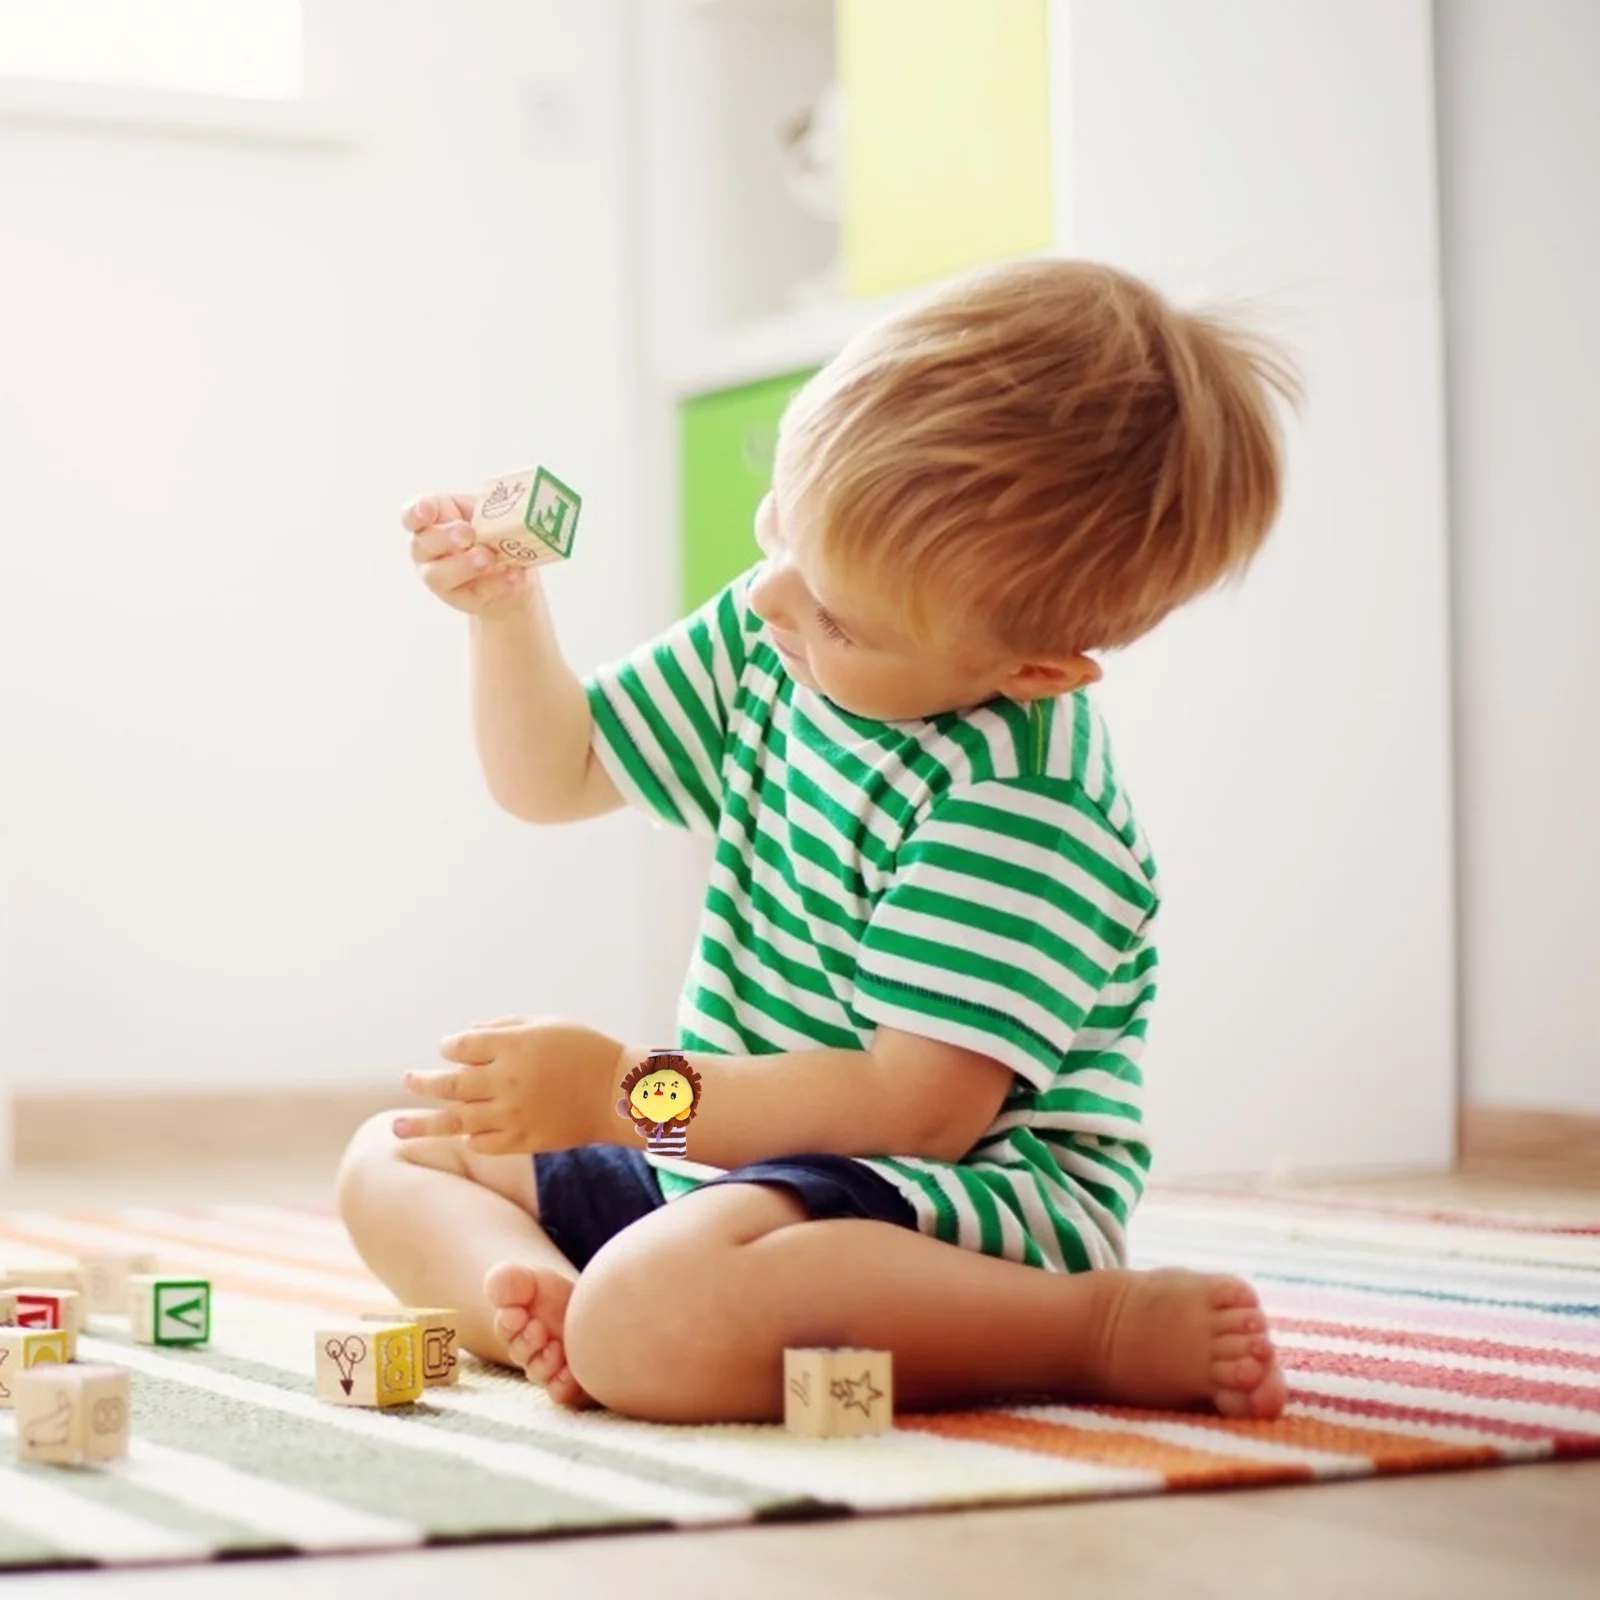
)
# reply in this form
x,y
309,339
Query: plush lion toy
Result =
x,y
660,1097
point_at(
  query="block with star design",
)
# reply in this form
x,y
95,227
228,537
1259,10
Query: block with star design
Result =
x,y
837,1394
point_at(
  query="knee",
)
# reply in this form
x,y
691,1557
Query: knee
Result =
x,y
646,1327
371,1147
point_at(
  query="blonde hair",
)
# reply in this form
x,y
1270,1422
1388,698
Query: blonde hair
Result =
x,y
1047,452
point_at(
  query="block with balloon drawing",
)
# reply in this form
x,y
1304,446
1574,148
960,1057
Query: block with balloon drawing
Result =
x,y
369,1364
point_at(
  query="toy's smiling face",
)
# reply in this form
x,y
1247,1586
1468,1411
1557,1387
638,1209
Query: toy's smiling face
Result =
x,y
662,1096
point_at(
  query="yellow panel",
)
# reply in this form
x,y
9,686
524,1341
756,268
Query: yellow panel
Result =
x,y
399,1378
947,136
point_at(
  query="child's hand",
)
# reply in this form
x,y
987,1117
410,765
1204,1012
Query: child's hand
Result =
x,y
471,577
521,1086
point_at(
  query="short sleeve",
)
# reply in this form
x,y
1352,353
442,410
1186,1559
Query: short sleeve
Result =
x,y
1012,904
661,715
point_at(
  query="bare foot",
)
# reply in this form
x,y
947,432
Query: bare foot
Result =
x,y
1180,1339
530,1312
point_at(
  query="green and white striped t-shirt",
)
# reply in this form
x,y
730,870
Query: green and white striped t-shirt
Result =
x,y
975,877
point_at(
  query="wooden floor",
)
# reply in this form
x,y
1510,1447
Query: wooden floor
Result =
x,y
1522,1533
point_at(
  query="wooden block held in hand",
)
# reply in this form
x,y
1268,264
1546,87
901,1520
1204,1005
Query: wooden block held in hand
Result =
x,y
106,1278
437,1326
166,1310
529,517
369,1364
34,1307
72,1416
835,1394
24,1348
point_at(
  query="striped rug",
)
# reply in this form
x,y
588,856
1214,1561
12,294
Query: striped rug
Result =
x,y
1413,1342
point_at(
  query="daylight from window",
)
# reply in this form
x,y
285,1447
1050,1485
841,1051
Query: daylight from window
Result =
x,y
249,49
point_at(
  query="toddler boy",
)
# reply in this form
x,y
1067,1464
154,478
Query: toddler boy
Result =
x,y
925,964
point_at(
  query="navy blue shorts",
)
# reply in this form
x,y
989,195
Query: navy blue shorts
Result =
x,y
590,1194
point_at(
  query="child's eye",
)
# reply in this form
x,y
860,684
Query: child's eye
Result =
x,y
830,627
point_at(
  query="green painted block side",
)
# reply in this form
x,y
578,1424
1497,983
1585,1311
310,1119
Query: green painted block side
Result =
x,y
182,1311
726,444
948,159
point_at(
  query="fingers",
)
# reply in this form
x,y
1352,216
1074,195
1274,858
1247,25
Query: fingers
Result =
x,y
470,1049
442,539
455,1120
465,1084
431,508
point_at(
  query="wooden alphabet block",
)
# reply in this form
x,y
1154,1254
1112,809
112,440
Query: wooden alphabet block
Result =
x,y
835,1394
370,1364
47,1308
529,517
22,1349
72,1416
8,1309
437,1328
168,1311
106,1278
43,1275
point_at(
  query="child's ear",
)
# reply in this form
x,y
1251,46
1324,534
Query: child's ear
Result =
x,y
1043,680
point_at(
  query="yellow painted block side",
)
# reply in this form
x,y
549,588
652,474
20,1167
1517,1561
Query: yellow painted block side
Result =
x,y
947,137
399,1368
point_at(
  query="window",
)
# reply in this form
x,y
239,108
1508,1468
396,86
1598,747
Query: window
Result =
x,y
245,49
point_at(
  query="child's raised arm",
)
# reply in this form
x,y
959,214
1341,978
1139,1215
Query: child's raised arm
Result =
x,y
531,719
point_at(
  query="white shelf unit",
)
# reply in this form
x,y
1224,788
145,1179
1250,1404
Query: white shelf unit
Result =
x,y
726,248
1241,149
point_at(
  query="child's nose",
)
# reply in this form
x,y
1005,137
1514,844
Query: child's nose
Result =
x,y
767,596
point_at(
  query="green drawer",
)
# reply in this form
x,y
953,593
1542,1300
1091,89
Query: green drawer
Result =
x,y
726,442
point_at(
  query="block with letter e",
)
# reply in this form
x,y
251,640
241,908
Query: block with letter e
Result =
x,y
530,517
169,1311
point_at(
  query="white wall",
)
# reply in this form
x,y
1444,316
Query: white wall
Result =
x,y
1520,159
244,840
1287,744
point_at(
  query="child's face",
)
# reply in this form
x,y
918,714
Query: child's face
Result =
x,y
850,646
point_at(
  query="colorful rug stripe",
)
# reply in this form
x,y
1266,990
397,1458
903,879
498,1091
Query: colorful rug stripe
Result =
x,y
1412,1341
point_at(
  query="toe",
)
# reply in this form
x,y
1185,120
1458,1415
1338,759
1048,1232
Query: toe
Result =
x,y
510,1284
546,1362
564,1390
1229,1294
1239,1319
1270,1396
528,1343
1245,1373
509,1321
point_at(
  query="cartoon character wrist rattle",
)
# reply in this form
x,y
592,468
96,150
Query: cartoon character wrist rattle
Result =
x,y
660,1097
